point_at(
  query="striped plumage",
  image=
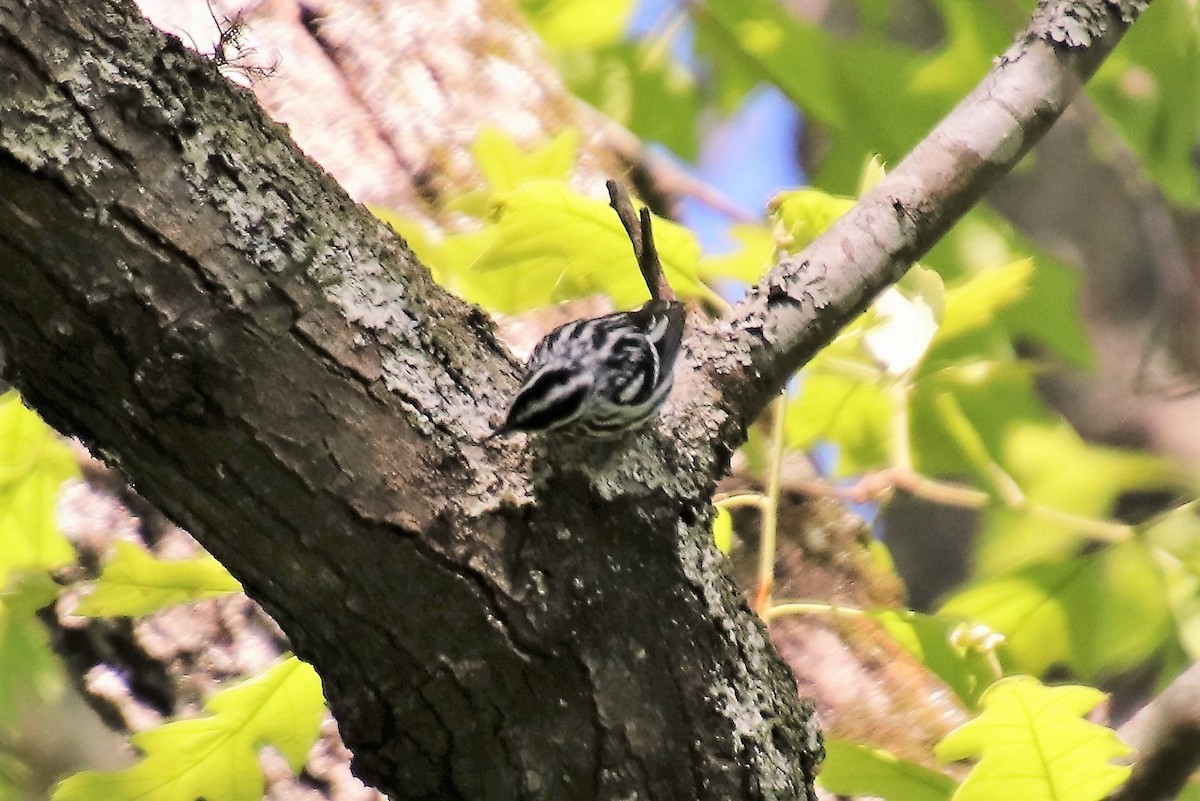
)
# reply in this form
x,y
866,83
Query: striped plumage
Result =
x,y
600,376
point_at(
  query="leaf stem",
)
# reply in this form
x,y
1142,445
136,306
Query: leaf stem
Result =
x,y
770,510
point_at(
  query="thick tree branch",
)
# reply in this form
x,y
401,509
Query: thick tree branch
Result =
x,y
208,311
798,307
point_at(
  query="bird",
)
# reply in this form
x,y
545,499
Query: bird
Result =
x,y
600,376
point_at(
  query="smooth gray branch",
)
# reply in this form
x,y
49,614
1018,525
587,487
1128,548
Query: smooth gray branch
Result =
x,y
799,306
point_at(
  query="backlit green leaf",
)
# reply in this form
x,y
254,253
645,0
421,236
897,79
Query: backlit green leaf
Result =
x,y
549,244
1034,744
134,583
33,466
506,165
29,670
974,304
854,769
1097,613
1054,467
928,638
773,46
216,756
853,414
640,87
804,214
1150,88
578,23
722,529
748,262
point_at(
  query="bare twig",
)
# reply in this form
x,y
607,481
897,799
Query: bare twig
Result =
x,y
641,236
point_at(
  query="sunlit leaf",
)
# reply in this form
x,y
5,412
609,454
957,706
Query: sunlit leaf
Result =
x,y
1150,88
996,398
1033,743
1097,613
873,173
506,165
134,583
640,87
33,466
853,414
770,45
1178,533
578,23
1054,467
853,769
1046,312
29,670
804,214
748,263
974,304
216,756
929,638
550,244
722,529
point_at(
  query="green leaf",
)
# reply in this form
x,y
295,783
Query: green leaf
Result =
x,y
1150,88
216,757
1046,311
1178,533
974,304
853,769
640,87
1033,744
929,638
548,243
804,214
578,23
996,398
855,415
134,583
507,166
28,668
33,466
1055,468
769,44
754,255
544,243
722,530
1097,613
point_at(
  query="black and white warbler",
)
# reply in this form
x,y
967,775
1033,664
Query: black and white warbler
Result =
x,y
600,376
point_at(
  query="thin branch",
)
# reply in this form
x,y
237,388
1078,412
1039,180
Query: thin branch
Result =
x,y
641,236
880,484
770,510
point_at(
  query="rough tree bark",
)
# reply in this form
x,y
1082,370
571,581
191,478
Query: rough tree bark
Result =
x,y
537,619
